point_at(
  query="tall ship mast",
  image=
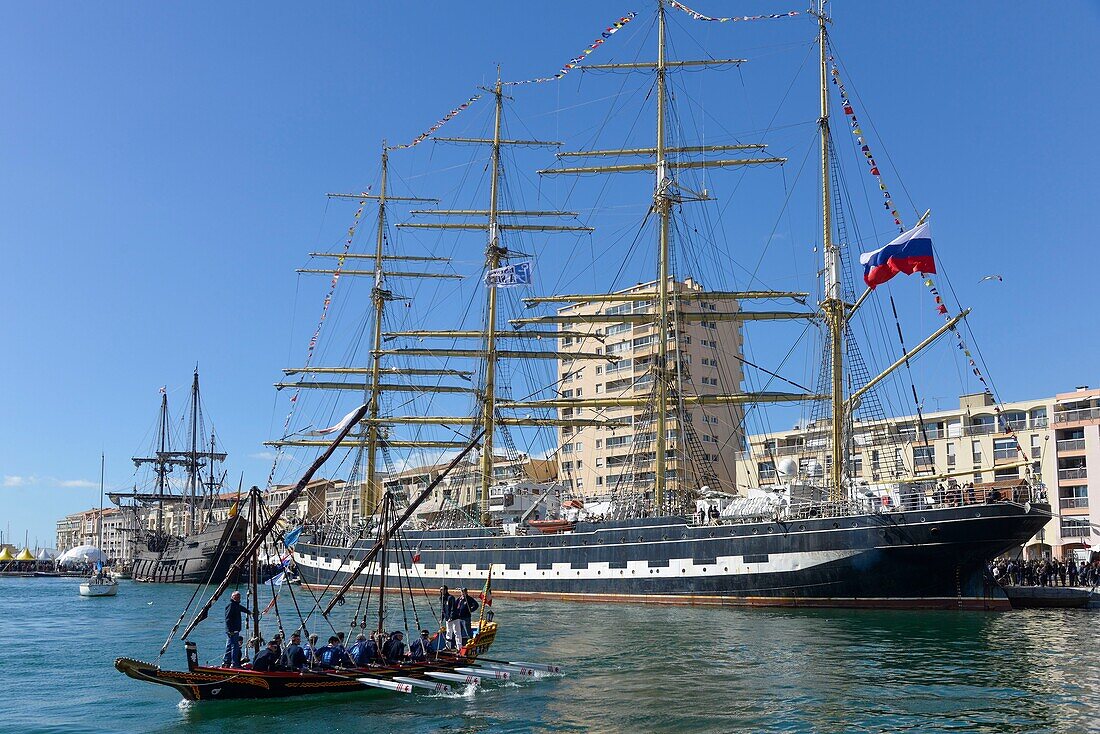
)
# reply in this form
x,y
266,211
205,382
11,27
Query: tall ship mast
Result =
x,y
183,532
669,526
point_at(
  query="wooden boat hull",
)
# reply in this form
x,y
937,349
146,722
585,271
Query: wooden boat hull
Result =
x,y
202,683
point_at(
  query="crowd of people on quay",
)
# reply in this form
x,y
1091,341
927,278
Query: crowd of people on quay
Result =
x,y
377,648
1046,572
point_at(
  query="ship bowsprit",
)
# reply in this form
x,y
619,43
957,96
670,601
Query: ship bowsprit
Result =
x,y
932,558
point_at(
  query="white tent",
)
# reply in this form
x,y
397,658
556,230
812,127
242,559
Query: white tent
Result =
x,y
45,555
82,555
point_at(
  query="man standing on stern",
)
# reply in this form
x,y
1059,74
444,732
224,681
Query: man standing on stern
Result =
x,y
233,611
465,606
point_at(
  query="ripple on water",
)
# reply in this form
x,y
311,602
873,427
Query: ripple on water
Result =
x,y
628,669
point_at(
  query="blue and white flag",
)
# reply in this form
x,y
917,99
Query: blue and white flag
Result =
x,y
292,537
509,276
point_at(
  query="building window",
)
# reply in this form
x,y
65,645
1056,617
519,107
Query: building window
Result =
x,y
1004,448
1002,474
951,453
1036,447
712,381
976,448
599,463
599,443
1039,418
766,470
1075,527
924,456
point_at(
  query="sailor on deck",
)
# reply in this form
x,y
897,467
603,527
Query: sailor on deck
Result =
x,y
233,612
393,649
465,606
420,646
363,652
449,616
294,657
268,658
333,654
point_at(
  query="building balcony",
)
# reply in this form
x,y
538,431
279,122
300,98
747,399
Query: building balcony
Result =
x,y
1076,532
1073,503
1075,416
1077,472
1071,444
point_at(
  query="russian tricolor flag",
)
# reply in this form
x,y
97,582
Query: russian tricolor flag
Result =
x,y
910,253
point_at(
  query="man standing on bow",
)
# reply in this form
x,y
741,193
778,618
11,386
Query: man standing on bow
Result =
x,y
233,611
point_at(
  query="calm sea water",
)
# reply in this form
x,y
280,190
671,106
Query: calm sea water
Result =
x,y
628,669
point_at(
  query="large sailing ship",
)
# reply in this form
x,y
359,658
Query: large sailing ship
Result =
x,y
668,530
183,538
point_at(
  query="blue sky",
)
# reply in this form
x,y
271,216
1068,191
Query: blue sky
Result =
x,y
165,165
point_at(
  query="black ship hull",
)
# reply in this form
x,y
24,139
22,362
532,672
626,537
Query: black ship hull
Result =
x,y
918,559
191,559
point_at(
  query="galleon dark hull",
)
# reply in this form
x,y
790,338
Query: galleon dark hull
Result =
x,y
192,559
916,559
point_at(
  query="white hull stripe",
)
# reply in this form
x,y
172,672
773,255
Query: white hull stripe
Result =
x,y
677,567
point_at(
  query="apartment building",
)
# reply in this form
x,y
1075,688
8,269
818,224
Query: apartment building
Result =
x,y
463,485
82,528
1052,439
595,462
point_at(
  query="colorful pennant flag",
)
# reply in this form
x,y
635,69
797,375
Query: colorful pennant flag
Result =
x,y
440,123
576,60
732,19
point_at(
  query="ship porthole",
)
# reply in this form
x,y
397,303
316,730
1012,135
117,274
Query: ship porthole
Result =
x,y
727,568
922,518
771,529
622,539
712,533
684,535
801,527
836,526
756,531
977,514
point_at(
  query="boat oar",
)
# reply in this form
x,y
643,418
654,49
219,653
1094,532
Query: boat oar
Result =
x,y
420,683
485,673
516,669
454,677
490,662
388,685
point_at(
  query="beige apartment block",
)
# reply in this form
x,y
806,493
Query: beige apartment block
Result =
x,y
1055,438
595,462
83,528
463,484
